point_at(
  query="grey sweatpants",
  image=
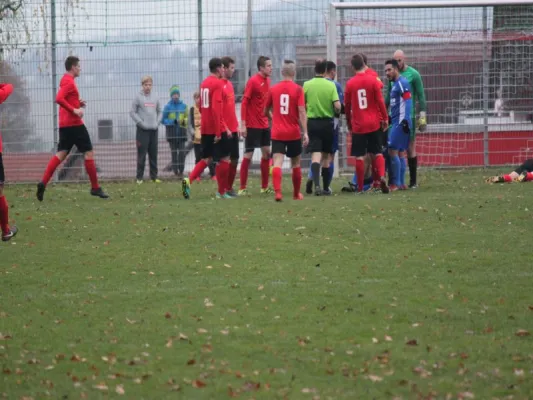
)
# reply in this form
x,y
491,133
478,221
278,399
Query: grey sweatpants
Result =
x,y
146,143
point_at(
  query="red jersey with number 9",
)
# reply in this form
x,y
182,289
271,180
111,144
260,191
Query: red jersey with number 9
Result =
x,y
211,90
364,104
284,98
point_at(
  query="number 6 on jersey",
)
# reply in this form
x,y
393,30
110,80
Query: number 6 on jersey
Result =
x,y
361,96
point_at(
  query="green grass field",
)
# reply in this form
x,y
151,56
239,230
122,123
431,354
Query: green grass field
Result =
x,y
420,294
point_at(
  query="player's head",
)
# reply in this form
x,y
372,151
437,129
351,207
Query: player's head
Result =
x,y
358,63
229,67
147,82
320,66
365,59
392,69
288,70
216,67
196,98
175,93
399,56
264,65
72,66
331,69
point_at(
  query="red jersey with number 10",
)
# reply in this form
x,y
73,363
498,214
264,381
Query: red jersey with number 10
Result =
x,y
5,91
211,92
284,98
364,104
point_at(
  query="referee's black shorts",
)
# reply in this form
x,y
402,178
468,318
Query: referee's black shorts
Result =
x,y
78,136
320,132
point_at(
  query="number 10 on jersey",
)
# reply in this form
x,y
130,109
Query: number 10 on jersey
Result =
x,y
204,95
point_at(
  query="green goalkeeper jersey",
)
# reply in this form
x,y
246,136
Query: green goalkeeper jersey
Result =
x,y
417,89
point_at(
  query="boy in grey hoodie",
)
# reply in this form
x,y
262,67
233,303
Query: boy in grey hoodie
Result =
x,y
146,112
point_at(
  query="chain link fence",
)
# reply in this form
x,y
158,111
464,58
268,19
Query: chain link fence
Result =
x,y
118,42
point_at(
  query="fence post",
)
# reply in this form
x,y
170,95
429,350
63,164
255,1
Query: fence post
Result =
x,y
248,58
486,72
54,74
200,44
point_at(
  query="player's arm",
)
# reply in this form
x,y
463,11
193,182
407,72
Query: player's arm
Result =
x,y
5,91
165,119
335,99
61,99
381,106
302,116
407,104
134,113
341,96
158,111
348,106
246,97
420,96
268,106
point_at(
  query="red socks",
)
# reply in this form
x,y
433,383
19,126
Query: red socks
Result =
x,y
507,178
265,172
245,165
231,175
222,172
50,169
378,167
90,167
296,180
276,179
529,177
4,215
197,170
360,172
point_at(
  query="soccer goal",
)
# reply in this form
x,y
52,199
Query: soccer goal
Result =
x,y
476,63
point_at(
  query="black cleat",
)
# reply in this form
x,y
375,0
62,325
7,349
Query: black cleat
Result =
x,y
309,186
413,186
349,189
384,187
99,193
327,192
318,191
40,191
11,234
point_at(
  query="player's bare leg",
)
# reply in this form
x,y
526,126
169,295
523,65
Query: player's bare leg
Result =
x,y
90,167
265,169
245,166
54,162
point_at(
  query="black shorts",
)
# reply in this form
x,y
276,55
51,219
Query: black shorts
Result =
x,y
366,143
2,173
291,148
320,135
218,150
256,137
527,166
74,136
234,146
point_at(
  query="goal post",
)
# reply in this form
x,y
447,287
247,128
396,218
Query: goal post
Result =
x,y
475,58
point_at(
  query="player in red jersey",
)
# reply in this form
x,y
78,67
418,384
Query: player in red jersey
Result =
x,y
365,110
286,104
524,173
72,130
7,232
215,135
254,123
230,119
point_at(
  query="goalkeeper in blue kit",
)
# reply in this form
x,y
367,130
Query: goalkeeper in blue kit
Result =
x,y
401,124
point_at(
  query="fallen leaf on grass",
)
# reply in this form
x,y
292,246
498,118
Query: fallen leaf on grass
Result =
x,y
227,265
131,321
261,287
375,378
201,330
208,303
198,384
100,386
412,342
375,340
531,308
522,332
169,343
168,315
225,332
251,386
466,395
120,389
182,336
519,372
191,362
388,338
308,390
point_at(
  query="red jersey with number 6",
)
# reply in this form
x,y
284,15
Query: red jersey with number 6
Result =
x,y
364,104
284,98
211,90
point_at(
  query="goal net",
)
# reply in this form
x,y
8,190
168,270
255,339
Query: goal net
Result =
x,y
476,63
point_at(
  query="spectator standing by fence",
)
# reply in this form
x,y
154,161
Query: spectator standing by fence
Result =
x,y
175,120
146,112
196,134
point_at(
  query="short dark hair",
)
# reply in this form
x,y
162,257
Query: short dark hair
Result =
x,y
227,61
330,66
70,62
393,62
364,58
214,64
358,63
261,62
320,66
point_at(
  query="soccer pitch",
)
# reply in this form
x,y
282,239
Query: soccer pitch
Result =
x,y
416,294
